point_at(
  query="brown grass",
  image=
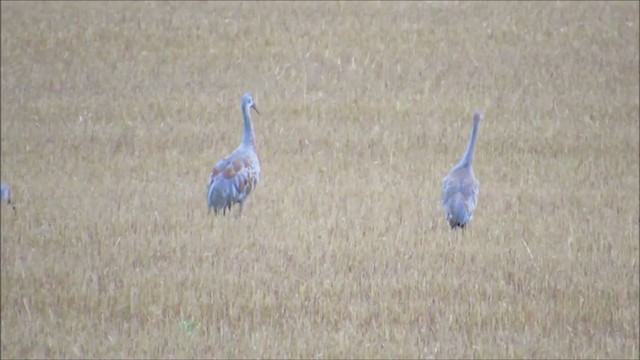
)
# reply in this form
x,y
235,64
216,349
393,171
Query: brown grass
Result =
x,y
113,115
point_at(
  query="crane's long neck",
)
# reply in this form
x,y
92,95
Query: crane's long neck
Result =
x,y
467,159
249,136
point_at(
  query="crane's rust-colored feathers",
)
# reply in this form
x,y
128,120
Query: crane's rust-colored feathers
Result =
x,y
239,172
232,180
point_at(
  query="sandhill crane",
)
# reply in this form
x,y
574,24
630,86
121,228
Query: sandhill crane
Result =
x,y
234,177
5,194
460,187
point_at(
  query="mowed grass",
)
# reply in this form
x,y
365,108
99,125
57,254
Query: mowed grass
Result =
x,y
113,115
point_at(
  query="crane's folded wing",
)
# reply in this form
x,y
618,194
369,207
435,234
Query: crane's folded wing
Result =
x,y
468,188
234,177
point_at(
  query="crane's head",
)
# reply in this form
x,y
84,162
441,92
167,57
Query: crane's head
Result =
x,y
247,101
477,116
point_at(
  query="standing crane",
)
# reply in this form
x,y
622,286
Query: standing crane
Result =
x,y
234,177
460,187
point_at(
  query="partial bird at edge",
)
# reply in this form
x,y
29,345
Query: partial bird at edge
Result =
x,y
5,195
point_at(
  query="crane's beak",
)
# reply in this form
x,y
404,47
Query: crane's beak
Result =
x,y
254,107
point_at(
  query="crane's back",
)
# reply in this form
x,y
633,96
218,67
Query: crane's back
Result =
x,y
459,196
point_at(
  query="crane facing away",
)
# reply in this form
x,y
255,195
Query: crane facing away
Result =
x,y
460,187
234,177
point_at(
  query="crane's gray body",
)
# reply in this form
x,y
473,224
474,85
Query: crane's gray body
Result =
x,y
460,187
238,174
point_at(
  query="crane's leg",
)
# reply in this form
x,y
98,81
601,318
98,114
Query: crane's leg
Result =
x,y
225,209
240,209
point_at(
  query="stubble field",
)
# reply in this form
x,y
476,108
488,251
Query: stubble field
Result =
x,y
113,115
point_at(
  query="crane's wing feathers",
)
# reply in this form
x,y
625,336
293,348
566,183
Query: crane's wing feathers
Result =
x,y
461,184
237,173
232,180
218,168
467,190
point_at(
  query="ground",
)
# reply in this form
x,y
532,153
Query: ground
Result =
x,y
113,115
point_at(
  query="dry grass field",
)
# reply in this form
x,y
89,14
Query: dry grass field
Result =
x,y
113,115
